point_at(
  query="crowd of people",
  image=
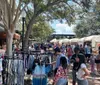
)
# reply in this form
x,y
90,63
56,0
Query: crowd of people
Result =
x,y
76,56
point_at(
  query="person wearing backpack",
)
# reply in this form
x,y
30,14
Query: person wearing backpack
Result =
x,y
60,77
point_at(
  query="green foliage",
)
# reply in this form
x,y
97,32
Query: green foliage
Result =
x,y
50,10
41,30
56,9
90,23
86,28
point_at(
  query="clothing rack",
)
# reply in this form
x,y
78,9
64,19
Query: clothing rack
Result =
x,y
38,53
8,64
32,52
7,60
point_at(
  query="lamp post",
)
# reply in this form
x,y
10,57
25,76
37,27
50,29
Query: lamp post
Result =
x,y
23,30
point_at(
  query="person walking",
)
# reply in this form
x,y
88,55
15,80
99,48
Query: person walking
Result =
x,y
97,61
58,53
69,52
76,58
60,77
88,51
92,63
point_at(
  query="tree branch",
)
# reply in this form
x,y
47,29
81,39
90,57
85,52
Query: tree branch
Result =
x,y
35,5
5,24
53,3
1,25
76,2
17,11
7,10
10,13
70,7
49,5
28,14
23,9
13,8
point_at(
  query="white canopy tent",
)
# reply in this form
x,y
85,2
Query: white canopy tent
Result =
x,y
54,40
90,38
82,39
74,40
65,40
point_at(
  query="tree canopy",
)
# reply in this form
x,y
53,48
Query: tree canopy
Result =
x,y
10,11
41,31
52,9
89,23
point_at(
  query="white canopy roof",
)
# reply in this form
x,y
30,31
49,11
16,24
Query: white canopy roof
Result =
x,y
74,40
90,38
65,40
53,40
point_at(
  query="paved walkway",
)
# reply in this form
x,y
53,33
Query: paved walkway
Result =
x,y
93,79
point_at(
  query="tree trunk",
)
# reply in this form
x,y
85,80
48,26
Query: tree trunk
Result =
x,y
15,68
25,47
28,32
9,40
9,43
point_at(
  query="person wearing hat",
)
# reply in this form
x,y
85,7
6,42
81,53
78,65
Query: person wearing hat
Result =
x,y
75,59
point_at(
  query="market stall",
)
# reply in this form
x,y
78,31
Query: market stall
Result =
x,y
74,40
65,40
53,40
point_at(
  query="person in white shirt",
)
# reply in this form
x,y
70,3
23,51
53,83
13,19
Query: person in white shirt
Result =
x,y
82,74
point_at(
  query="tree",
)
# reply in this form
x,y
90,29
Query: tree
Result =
x,y
50,10
41,30
89,25
10,11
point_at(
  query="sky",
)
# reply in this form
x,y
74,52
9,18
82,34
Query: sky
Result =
x,y
62,28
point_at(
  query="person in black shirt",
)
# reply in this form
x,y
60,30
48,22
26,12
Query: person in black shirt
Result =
x,y
76,58
82,50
